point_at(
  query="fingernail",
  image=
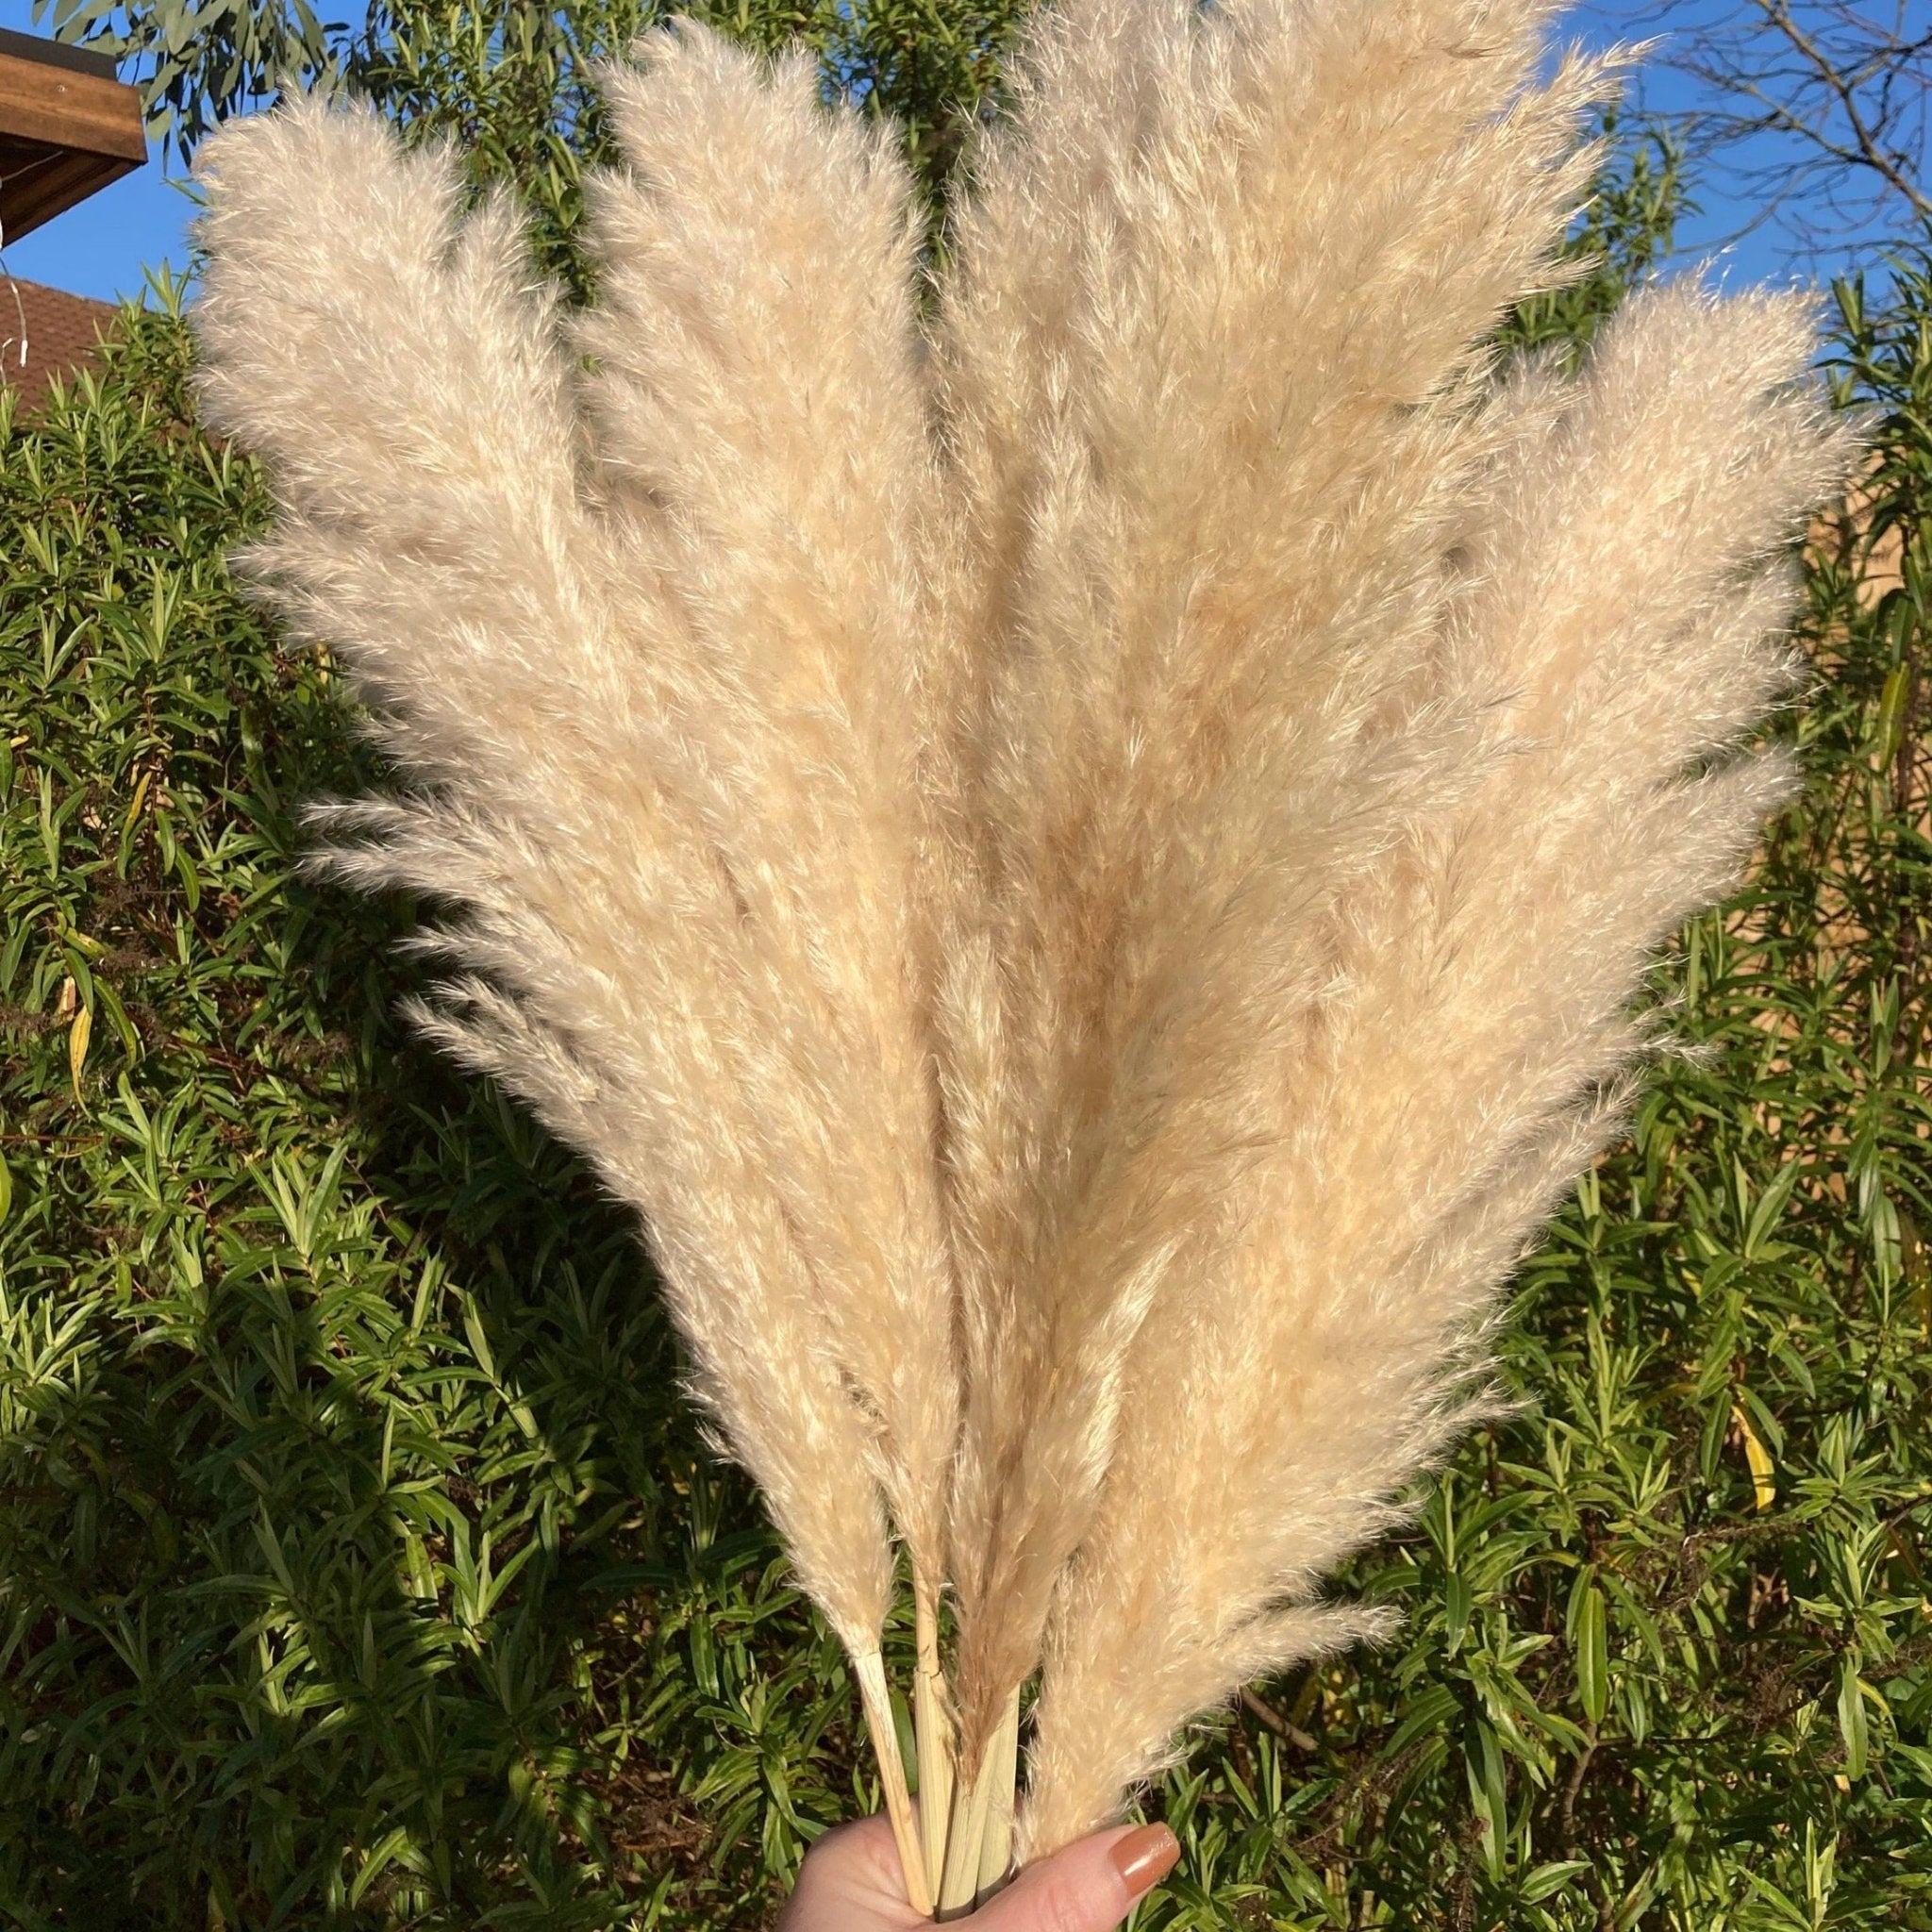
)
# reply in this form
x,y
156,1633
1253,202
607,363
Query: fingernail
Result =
x,y
1145,1856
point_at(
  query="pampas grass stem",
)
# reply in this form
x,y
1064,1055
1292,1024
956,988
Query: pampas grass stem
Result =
x,y
996,1840
965,1830
933,1728
870,1669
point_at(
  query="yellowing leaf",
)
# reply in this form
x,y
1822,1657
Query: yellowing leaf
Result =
x,y
146,780
1758,1457
77,1037
1891,714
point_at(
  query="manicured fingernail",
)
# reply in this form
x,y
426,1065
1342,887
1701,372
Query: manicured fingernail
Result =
x,y
1144,1857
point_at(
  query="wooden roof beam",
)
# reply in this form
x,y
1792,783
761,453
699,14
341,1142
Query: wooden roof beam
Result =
x,y
67,126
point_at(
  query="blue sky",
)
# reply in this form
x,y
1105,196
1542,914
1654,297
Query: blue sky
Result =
x,y
102,247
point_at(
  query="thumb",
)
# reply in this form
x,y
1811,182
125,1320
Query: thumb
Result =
x,y
1089,1887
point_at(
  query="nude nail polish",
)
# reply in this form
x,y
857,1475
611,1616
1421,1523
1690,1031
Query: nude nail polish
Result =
x,y
1145,1856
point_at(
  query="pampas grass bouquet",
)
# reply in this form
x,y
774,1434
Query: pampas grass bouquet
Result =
x,y
1076,834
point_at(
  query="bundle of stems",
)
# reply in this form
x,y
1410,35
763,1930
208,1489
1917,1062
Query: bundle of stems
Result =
x,y
1080,851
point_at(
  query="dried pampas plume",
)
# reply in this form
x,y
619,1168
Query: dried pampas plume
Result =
x,y
1081,855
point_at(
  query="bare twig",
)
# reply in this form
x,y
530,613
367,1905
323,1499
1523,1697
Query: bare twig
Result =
x,y
1282,1728
1813,114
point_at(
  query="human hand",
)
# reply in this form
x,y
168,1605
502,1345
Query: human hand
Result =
x,y
851,1883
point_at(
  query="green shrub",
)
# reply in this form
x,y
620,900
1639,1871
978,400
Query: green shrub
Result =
x,y
355,1554
359,1562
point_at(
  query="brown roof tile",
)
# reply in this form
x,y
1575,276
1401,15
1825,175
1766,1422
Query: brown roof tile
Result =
x,y
62,334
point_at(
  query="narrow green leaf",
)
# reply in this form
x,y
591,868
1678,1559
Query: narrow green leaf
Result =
x,y
1592,1658
1851,1717
1547,1880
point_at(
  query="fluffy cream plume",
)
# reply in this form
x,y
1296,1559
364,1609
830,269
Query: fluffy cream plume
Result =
x,y
1209,505
792,510
768,456
1082,870
1462,1064
637,745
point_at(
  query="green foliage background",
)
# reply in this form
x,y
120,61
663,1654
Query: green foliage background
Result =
x,y
358,1563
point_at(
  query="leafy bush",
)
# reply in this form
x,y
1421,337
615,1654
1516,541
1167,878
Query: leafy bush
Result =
x,y
355,1552
358,1563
